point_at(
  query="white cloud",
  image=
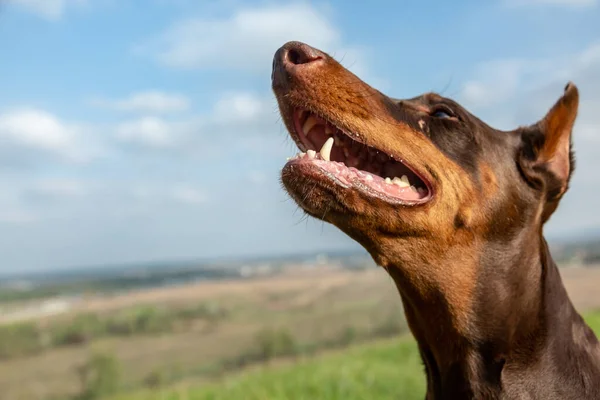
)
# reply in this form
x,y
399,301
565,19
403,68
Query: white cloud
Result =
x,y
245,40
30,130
48,9
498,81
235,120
147,132
563,3
238,107
27,198
36,128
147,102
151,194
495,82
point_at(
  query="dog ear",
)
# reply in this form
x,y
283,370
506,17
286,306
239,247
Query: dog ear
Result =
x,y
546,156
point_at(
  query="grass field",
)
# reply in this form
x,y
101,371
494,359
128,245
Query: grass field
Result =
x,y
387,369
314,310
298,315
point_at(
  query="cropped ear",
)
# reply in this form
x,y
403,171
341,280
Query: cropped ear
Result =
x,y
546,157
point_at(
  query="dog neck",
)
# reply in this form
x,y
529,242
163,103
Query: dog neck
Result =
x,y
522,328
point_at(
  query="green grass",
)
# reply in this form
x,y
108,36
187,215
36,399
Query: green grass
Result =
x,y
593,320
387,369
199,337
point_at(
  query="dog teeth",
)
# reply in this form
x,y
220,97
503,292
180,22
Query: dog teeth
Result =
x,y
400,182
414,189
326,149
388,181
310,123
369,177
311,153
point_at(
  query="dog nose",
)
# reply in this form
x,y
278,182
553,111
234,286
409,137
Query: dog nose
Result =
x,y
296,53
291,58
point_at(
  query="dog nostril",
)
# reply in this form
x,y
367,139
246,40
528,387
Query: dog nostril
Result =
x,y
295,57
301,55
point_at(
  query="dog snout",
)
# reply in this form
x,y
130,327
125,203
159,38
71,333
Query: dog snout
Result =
x,y
292,58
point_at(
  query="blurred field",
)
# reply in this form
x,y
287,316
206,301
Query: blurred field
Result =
x,y
311,310
205,332
387,369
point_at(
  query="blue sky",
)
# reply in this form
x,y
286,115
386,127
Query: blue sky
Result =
x,y
135,131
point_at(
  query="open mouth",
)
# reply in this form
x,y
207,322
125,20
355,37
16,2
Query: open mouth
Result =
x,y
349,162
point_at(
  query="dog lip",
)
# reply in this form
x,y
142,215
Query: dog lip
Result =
x,y
323,173
367,187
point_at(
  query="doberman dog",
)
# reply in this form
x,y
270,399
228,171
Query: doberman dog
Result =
x,y
454,211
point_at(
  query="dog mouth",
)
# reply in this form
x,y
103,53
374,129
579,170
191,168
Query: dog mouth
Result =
x,y
344,159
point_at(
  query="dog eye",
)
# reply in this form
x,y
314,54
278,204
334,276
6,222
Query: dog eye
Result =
x,y
443,114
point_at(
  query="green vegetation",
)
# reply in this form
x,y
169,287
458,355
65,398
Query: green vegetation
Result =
x,y
388,369
275,343
19,340
100,377
202,332
28,338
274,339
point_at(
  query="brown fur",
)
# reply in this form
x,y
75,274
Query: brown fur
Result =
x,y
480,291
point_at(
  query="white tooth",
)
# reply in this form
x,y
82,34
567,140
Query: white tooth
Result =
x,y
414,189
311,153
388,180
301,154
369,178
404,179
400,182
311,121
326,149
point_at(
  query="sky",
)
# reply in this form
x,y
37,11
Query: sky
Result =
x,y
146,131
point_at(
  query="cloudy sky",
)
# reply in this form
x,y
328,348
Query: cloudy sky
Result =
x,y
135,131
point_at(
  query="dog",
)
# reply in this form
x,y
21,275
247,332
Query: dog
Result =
x,y
453,210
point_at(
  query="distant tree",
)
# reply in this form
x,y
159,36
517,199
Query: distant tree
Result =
x,y
100,376
275,343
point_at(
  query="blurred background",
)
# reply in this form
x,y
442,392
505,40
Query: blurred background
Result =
x,y
147,249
